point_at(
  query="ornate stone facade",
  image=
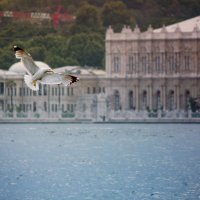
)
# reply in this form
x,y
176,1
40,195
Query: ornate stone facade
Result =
x,y
156,69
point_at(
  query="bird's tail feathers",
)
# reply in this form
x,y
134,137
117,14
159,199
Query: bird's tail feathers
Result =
x,y
30,83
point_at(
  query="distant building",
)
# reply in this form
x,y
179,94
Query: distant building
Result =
x,y
154,70
18,101
148,74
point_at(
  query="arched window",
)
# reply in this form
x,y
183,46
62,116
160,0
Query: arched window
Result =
x,y
116,100
187,98
131,100
144,99
158,102
171,100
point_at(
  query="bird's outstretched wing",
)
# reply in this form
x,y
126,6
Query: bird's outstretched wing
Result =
x,y
56,78
26,59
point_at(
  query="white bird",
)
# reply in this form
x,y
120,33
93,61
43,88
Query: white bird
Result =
x,y
38,75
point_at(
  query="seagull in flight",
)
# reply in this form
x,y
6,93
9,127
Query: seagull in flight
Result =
x,y
38,75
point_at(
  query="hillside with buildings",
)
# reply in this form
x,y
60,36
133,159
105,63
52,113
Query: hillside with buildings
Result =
x,y
65,32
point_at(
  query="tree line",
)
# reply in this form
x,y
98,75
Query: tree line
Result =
x,y
82,41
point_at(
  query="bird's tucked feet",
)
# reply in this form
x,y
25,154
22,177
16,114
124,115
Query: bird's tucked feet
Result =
x,y
34,83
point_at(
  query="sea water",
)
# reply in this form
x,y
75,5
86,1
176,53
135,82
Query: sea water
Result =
x,y
99,161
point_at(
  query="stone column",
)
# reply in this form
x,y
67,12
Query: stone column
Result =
x,y
178,97
150,97
164,97
108,58
137,97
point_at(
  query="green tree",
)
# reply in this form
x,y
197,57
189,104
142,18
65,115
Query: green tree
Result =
x,y
87,20
71,61
37,53
87,49
54,60
115,14
93,54
7,58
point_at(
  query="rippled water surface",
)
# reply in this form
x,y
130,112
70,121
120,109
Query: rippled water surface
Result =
x,y
99,161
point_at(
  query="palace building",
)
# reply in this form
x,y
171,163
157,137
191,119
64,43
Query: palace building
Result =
x,y
148,74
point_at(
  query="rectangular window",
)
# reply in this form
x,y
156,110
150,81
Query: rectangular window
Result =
x,y
72,108
187,63
11,91
1,88
20,91
45,90
88,90
52,92
144,64
116,64
45,106
24,108
172,64
27,107
40,90
157,64
131,64
34,107
68,107
72,91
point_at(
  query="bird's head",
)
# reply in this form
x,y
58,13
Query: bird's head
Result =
x,y
19,52
16,48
